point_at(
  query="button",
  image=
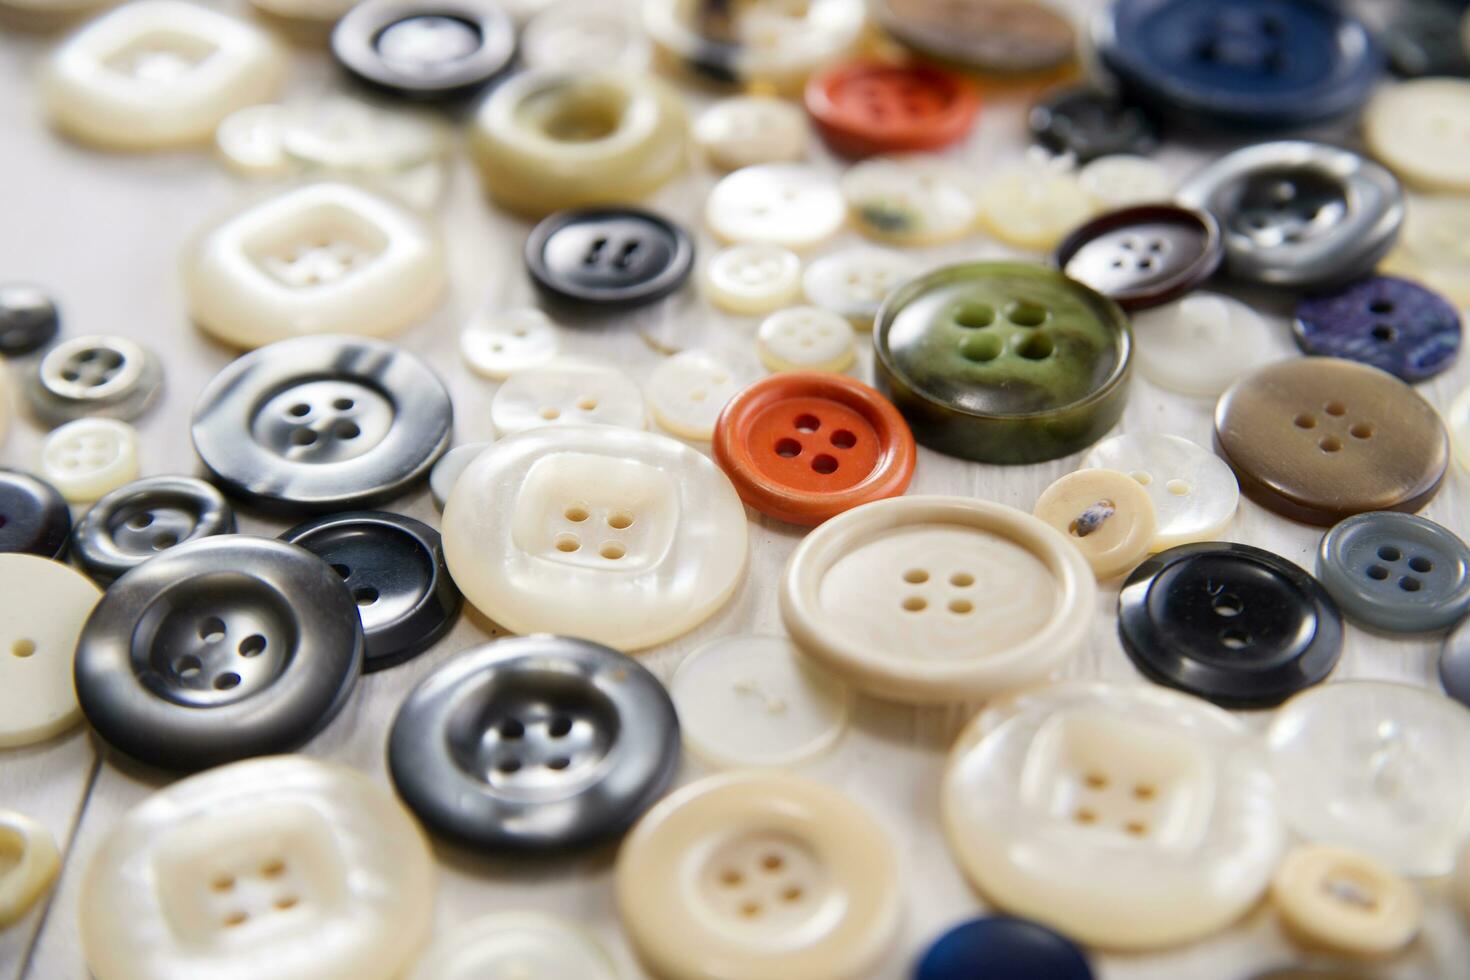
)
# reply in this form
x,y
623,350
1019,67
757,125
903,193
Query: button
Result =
x,y
806,446
1297,213
505,944
1003,362
1200,344
752,280
1002,948
1434,246
937,599
805,338
687,391
1393,324
567,393
1194,493
424,49
44,606
1087,123
88,458
108,376
1159,796
43,16
1338,899
1319,439
218,649
249,141
451,465
911,200
31,866
36,519
353,137
759,875
1143,256
626,538
1233,624
1106,515
787,204
284,867
394,568
1396,572
1376,767
1454,664
538,743
576,33
498,343
612,259
1423,39
137,521
1123,180
29,319
1417,128
999,37
1460,883
1033,208
855,281
745,130
323,423
322,259
157,74
862,108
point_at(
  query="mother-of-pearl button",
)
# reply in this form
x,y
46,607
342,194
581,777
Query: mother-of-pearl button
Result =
x,y
625,538
805,338
567,393
745,130
281,867
786,204
752,280
29,862
1343,900
1033,208
498,343
516,946
1105,514
90,457
1124,816
1122,180
910,200
326,258
579,33
1201,344
43,606
855,281
1195,494
687,391
158,73
1420,129
347,135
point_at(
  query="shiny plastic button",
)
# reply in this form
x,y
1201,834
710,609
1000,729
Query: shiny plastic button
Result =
x,y
1396,572
1002,37
999,947
498,343
1193,491
93,376
865,107
855,282
1087,123
1123,180
424,49
32,863
1339,899
686,393
1105,514
504,944
140,520
1145,255
805,338
450,467
1418,129
44,606
37,520
29,319
791,205
88,458
752,280
611,259
1032,208
567,393
578,33
746,130
1392,324
1201,344
913,200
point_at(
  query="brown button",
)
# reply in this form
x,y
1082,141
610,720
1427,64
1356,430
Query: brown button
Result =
x,y
1319,439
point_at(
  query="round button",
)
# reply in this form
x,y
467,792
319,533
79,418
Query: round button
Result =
x,y
1233,624
322,423
855,282
1338,899
867,107
1434,246
1123,180
786,204
1454,664
1418,130
36,519
999,947
1319,439
88,458
752,280
1423,39
1393,324
686,393
1033,208
93,376
805,338
1088,123
43,605
286,867
804,447
498,343
578,33
505,944
424,49
567,393
32,864
1396,572
759,875
308,20
216,650
248,140
1106,515
911,200
140,520
608,258
1143,256
29,319
1201,344
349,136
540,743
1193,491
450,467
1004,37
394,568
746,130
1003,362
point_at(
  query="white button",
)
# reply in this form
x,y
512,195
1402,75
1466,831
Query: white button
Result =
x,y
1194,492
1121,815
805,338
1033,209
938,599
1420,130
622,537
1345,901
756,701
745,130
583,33
31,862
516,946
498,343
567,393
449,467
687,391
90,457
1377,767
1122,181
158,73
911,200
752,280
1459,426
1106,515
281,867
328,258
1460,883
1201,344
855,281
348,136
1434,246
786,204
43,606
759,875
249,140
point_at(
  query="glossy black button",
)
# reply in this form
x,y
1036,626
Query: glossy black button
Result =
x,y
537,743
1143,256
394,568
141,520
220,649
28,320
1422,38
999,947
610,258
33,516
424,49
1089,123
1233,624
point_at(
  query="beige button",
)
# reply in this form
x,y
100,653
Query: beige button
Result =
x,y
29,863
1033,208
805,338
786,204
1346,901
752,280
1106,515
749,129
43,606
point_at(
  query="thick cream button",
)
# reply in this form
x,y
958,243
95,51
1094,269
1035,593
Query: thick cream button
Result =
x,y
1033,209
1201,344
805,338
1194,492
785,204
1105,514
856,281
497,344
567,393
1345,901
752,280
29,862
1122,180
90,457
745,130
43,605
749,876
687,391
910,200
516,946
1421,130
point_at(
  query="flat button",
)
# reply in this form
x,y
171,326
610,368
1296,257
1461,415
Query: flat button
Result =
x,y
285,867
1338,899
450,467
1319,439
1393,324
1123,180
1087,123
610,259
498,343
686,393
322,423
999,947
32,863
745,130
29,319
88,458
352,137
759,875
787,204
93,376
1423,39
511,944
1145,255
144,518
855,282
249,141
1201,344
1434,246
37,520
1032,208
540,743
805,338
1418,130
1233,624
1193,491
865,107
44,606
806,446
394,568
1396,572
424,49
752,280
216,650
578,33
1002,37
1106,515
567,393
915,200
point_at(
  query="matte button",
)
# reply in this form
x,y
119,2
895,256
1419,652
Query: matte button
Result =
x,y
1194,493
1201,344
219,649
424,49
43,606
578,33
511,944
1143,256
32,864
911,200
144,518
1393,324
37,520
998,947
1105,514
112,377
1339,899
1003,37
1088,123
1418,129
1396,572
866,107
28,320
608,258
88,458
1434,246
1233,624
540,743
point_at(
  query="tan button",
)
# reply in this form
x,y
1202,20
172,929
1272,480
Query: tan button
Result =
x,y
29,862
1107,515
1319,439
1343,900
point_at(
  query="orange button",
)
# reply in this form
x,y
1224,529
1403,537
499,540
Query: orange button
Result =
x,y
863,108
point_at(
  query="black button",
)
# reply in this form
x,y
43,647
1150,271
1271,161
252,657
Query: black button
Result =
x,y
220,649
613,258
998,947
1422,38
1089,123
394,568
33,516
139,521
424,49
28,320
1143,256
1233,624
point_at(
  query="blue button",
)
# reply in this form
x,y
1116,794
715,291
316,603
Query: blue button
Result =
x,y
1397,572
1393,324
1002,948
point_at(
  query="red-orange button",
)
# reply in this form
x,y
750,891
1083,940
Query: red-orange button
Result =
x,y
863,108
804,446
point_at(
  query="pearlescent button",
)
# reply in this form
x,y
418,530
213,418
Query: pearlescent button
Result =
x,y
1339,899
1105,515
512,944
1122,180
32,863
142,519
686,393
1200,344
578,33
43,605
424,49
37,520
499,343
786,204
93,376
88,458
567,393
854,282
1193,491
1393,324
911,200
745,130
1396,572
450,467
752,280
1420,131
29,319
805,338
1033,208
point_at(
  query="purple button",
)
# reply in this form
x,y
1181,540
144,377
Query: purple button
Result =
x,y
1392,324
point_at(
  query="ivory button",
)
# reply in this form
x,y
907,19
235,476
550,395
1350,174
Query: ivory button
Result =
x,y
29,863
1344,901
790,205
88,458
44,605
805,338
498,343
567,393
686,393
1032,209
753,280
746,130
1105,514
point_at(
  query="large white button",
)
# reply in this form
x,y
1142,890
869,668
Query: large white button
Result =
x,y
516,946
1194,492
1200,344
1033,208
43,606
1345,901
158,73
1434,246
745,130
584,33
752,280
1122,180
1420,129
911,200
786,204
29,862
450,467
90,457
327,258
687,391
805,338
1104,514
498,343
748,876
1122,815
625,538
855,281
281,867
567,393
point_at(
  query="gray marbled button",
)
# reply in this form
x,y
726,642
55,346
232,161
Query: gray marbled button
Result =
x,y
1397,572
93,376
138,521
28,320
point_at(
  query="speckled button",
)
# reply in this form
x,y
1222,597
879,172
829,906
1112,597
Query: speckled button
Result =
x,y
1339,899
1392,324
36,519
686,393
855,282
498,343
32,863
1419,130
515,944
752,280
1194,492
1201,344
608,259
1004,37
1396,572
805,338
1087,123
745,130
567,393
787,204
28,319
112,377
1145,255
144,518
1032,207
999,947
424,49
88,458
44,605
1105,514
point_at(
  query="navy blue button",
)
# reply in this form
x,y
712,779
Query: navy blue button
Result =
x,y
34,518
1089,123
1397,572
1393,324
999,947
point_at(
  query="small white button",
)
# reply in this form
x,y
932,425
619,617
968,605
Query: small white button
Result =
x,y
1201,344
567,393
1033,208
785,204
1122,181
450,466
745,130
1194,492
31,863
687,391
911,200
498,343
90,457
1420,129
855,281
348,136
1344,901
1104,514
516,946
249,140
584,33
752,280
805,338
1434,246
43,606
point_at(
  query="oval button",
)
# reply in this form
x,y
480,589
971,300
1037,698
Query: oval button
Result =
x,y
1391,324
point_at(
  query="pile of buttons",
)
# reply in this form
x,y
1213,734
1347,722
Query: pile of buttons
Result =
x,y
571,692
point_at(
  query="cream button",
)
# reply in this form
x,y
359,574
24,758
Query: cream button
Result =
x,y
1201,344
752,280
1434,246
755,875
1345,901
786,204
90,457
567,393
326,258
516,946
1106,515
855,281
449,467
1458,422
910,200
745,130
281,867
583,33
349,136
1122,180
1460,881
805,338
1033,208
29,863
1123,816
498,343
1420,130
249,140
157,74
1194,492
687,391
43,606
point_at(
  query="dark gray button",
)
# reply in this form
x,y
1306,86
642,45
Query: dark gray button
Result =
x,y
138,521
537,743
33,516
1089,123
611,258
220,649
1397,572
1143,256
424,49
319,423
93,376
28,320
